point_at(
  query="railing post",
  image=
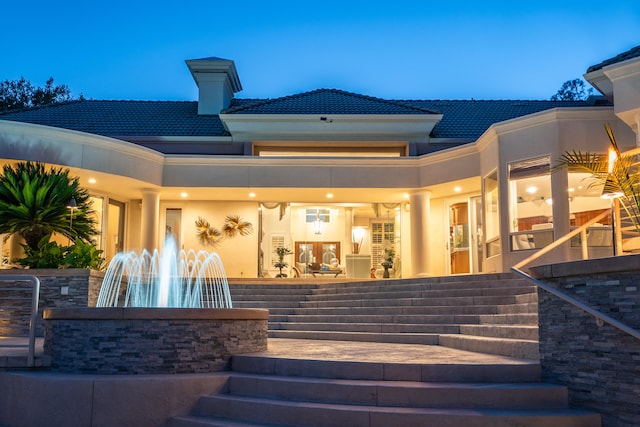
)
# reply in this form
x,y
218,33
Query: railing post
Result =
x,y
584,244
33,319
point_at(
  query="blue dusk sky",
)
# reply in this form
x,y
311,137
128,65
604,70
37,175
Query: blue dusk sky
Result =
x,y
391,49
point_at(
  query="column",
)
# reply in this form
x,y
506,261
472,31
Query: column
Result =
x,y
420,207
150,219
348,230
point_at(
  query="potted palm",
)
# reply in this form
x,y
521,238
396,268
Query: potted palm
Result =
x,y
281,263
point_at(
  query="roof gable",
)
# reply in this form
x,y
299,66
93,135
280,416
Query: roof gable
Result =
x,y
326,101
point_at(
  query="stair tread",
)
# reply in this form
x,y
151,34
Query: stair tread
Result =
x,y
405,384
482,412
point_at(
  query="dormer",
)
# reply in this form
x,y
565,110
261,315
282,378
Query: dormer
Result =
x,y
217,81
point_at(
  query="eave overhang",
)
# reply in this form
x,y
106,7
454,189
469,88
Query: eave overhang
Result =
x,y
330,127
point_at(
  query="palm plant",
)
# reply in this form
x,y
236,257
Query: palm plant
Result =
x,y
618,173
33,204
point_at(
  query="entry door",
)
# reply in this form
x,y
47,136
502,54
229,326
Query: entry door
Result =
x,y
459,238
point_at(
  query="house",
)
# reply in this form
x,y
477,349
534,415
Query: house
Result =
x,y
440,186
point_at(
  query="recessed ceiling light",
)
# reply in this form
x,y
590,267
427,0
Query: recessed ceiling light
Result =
x,y
571,190
457,189
92,180
532,189
329,195
406,195
252,194
183,194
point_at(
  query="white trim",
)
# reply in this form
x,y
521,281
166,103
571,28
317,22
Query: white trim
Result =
x,y
328,127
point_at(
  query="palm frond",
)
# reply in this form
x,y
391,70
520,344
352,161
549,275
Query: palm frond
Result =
x,y
33,203
623,179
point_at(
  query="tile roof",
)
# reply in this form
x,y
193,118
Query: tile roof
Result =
x,y
466,119
630,54
326,101
120,118
470,118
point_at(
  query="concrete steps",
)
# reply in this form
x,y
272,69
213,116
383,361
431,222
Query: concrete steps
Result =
x,y
494,313
266,391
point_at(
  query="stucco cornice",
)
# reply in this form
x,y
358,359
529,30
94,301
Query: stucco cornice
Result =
x,y
327,127
26,141
548,116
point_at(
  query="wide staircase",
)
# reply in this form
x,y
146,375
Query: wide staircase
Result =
x,y
490,314
494,313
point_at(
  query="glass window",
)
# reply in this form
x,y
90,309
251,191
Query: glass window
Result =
x,y
530,194
312,214
530,204
585,203
491,214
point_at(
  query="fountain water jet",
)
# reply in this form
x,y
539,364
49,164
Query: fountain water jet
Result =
x,y
170,278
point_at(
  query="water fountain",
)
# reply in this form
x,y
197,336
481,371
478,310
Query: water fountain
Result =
x,y
170,278
162,312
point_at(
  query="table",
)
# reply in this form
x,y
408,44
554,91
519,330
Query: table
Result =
x,y
334,272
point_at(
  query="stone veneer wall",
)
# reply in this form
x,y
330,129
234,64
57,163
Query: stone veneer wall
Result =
x,y
59,288
600,365
151,340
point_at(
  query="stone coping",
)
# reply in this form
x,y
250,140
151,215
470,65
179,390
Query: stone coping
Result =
x,y
135,313
616,264
52,272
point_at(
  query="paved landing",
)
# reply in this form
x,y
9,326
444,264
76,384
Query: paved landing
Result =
x,y
378,352
13,352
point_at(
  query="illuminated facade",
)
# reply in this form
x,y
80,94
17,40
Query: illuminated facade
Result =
x,y
343,180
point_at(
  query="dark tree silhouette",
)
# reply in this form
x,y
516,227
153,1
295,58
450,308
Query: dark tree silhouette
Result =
x,y
572,90
21,93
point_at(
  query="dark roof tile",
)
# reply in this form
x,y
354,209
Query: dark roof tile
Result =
x,y
630,54
466,119
124,118
326,101
471,118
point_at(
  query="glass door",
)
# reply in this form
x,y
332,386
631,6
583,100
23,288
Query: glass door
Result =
x,y
459,238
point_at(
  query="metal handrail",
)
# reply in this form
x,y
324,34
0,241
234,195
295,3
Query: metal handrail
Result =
x,y
35,297
601,318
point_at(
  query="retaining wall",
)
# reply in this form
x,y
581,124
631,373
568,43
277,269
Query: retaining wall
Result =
x,y
599,364
59,288
151,340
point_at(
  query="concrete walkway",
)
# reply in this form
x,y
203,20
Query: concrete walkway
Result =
x,y
378,352
13,352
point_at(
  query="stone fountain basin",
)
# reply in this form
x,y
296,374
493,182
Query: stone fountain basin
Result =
x,y
130,340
